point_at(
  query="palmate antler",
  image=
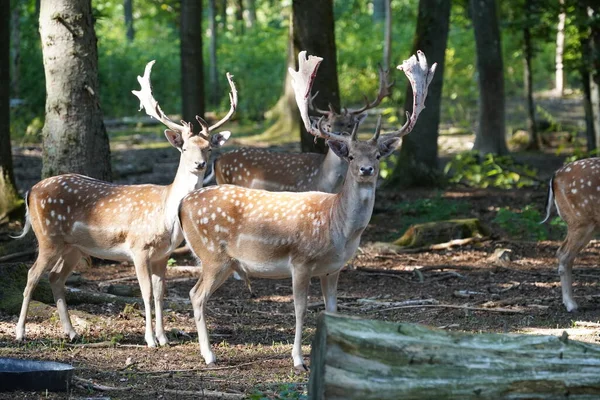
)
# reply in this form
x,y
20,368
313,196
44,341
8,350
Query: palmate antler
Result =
x,y
152,108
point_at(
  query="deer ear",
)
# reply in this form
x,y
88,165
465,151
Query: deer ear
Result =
x,y
361,117
219,139
388,145
174,138
340,149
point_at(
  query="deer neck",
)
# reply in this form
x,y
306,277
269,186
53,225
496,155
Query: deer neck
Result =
x,y
184,183
333,172
353,207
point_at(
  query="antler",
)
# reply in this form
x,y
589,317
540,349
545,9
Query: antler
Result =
x,y
233,99
420,76
384,91
151,106
312,106
302,81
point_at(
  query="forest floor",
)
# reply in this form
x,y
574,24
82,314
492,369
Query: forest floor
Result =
x,y
464,288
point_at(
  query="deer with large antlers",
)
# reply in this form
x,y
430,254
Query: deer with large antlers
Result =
x,y
276,235
575,191
74,216
275,171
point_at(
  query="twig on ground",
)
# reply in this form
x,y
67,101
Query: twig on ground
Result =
x,y
181,250
98,345
89,384
369,304
389,275
116,280
469,308
207,369
12,256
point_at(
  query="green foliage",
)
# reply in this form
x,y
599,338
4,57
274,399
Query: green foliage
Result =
x,y
471,169
287,391
436,208
522,225
171,262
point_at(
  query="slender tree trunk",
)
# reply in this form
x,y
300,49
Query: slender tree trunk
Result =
x,y
559,85
15,41
192,69
250,13
585,66
313,31
417,164
535,143
239,16
593,12
128,14
9,199
387,37
212,71
491,133
223,14
74,135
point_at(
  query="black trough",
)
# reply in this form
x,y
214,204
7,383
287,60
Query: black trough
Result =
x,y
17,374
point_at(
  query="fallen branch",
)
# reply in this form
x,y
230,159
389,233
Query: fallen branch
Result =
x,y
373,304
12,256
98,345
176,371
500,310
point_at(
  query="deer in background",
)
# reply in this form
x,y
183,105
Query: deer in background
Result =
x,y
74,216
275,171
575,192
277,235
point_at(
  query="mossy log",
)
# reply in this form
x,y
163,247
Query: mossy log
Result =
x,y
420,235
14,279
354,358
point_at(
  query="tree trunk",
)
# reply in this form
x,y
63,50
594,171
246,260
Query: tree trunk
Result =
x,y
74,135
581,19
379,10
212,71
9,199
559,85
417,164
491,134
285,112
313,31
353,358
192,69
250,13
223,14
535,143
15,42
239,16
593,12
128,14
387,36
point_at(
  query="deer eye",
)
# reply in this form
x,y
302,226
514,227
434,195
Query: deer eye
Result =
x,y
184,149
378,156
350,158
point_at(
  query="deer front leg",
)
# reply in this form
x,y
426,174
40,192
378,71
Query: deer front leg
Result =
x,y
329,290
58,276
142,271
47,257
300,284
159,269
577,238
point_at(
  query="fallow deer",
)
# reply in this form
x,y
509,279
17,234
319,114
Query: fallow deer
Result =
x,y
575,192
277,235
74,216
276,171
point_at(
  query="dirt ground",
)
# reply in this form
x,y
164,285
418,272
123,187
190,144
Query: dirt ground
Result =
x,y
461,288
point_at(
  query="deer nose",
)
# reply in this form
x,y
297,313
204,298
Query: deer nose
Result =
x,y
200,164
367,171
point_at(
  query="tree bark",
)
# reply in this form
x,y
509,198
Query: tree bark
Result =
x,y
313,31
535,143
128,14
593,12
250,13
387,36
9,199
417,164
354,358
74,135
192,69
15,41
559,80
379,10
491,134
212,71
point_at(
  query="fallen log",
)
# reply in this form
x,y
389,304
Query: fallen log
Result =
x,y
354,358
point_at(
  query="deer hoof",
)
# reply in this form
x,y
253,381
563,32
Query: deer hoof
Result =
x,y
301,368
570,305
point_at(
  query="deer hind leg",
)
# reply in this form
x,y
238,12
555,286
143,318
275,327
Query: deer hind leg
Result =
x,y
58,276
47,258
329,290
213,276
577,238
142,271
300,284
159,269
